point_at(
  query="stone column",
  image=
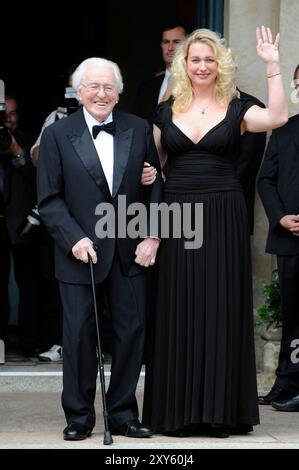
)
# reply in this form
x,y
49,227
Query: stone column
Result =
x,y
241,19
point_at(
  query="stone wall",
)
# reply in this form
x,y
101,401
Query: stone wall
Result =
x,y
241,19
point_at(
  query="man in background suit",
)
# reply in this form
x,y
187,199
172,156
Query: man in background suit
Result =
x,y
150,92
249,161
278,188
88,158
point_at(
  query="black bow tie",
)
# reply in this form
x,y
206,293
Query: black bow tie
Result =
x,y
110,128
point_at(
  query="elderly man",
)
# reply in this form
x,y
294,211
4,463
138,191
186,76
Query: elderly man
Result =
x,y
82,165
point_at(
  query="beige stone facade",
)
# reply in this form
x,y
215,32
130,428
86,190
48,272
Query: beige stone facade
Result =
x,y
241,19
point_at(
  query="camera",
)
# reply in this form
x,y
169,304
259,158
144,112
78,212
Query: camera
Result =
x,y
5,135
71,102
29,225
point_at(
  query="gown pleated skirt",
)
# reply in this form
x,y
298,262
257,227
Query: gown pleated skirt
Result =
x,y
201,360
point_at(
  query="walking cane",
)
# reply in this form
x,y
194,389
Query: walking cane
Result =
x,y
107,434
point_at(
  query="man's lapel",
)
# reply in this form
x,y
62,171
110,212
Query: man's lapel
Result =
x,y
122,145
83,144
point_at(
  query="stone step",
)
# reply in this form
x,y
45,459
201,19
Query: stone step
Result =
x,y
42,378
20,373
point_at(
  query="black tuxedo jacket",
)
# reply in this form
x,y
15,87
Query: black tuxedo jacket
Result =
x,y
71,183
278,186
147,98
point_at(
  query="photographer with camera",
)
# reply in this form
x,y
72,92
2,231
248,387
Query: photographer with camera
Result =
x,y
70,105
53,307
18,201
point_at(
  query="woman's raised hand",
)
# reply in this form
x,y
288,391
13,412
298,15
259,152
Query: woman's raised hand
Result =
x,y
266,49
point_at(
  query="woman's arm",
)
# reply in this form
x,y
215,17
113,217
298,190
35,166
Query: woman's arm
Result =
x,y
149,172
276,113
161,152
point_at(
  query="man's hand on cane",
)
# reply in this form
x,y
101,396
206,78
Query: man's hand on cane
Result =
x,y
82,249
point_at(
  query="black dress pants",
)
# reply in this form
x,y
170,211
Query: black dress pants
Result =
x,y
28,278
4,277
126,298
50,331
288,366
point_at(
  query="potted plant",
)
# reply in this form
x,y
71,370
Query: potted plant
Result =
x,y
269,316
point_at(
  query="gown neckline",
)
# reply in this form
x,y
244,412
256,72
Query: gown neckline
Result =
x,y
204,135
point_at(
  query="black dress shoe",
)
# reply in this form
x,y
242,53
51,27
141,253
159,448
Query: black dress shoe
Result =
x,y
30,352
131,428
276,393
219,430
186,431
76,432
241,429
291,404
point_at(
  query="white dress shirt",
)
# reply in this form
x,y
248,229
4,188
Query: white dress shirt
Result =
x,y
104,146
164,85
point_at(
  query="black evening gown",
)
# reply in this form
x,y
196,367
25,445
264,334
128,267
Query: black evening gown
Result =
x,y
201,362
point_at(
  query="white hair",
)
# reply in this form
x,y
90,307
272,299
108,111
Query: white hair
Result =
x,y
104,63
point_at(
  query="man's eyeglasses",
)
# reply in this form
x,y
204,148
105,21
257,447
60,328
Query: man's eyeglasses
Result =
x,y
96,87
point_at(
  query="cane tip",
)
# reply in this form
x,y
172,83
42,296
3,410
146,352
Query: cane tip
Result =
x,y
107,438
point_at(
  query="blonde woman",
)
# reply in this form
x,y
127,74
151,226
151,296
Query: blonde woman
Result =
x,y
201,376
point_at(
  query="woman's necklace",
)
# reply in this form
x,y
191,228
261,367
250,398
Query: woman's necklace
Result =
x,y
203,110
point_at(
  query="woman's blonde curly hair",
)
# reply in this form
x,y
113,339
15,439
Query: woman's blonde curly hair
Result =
x,y
225,88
